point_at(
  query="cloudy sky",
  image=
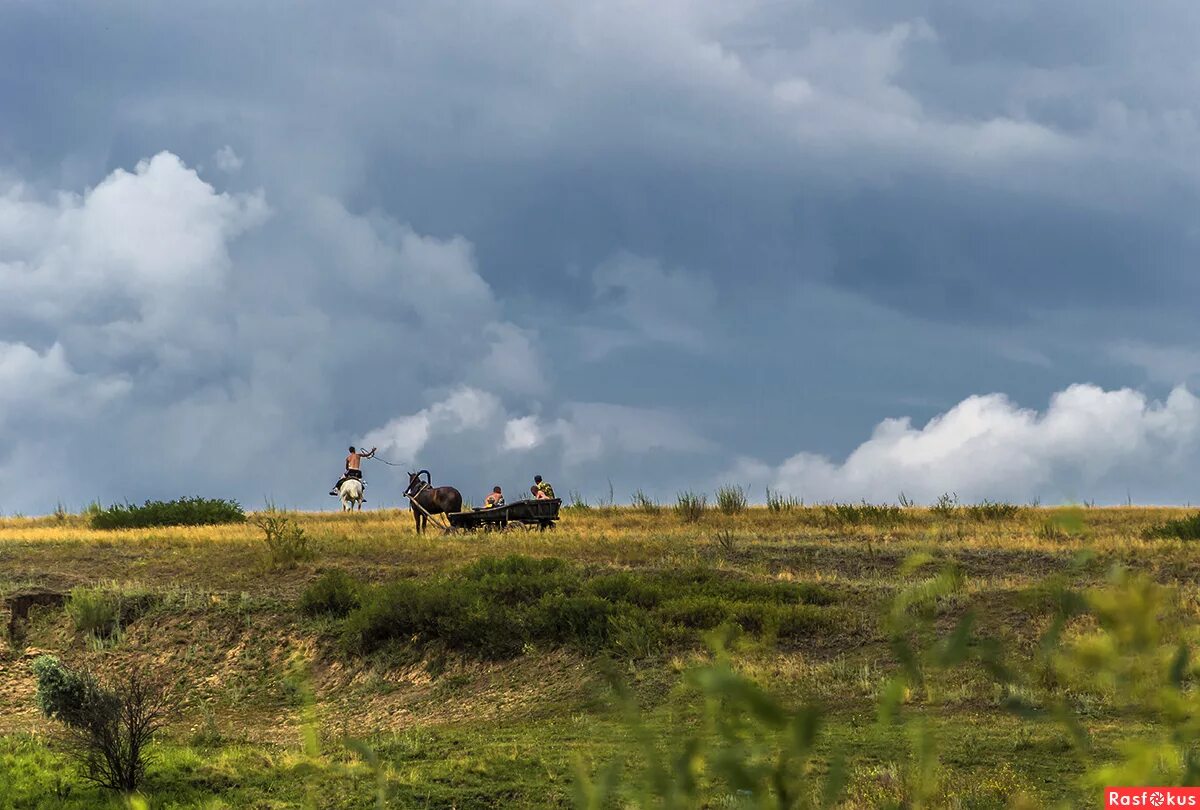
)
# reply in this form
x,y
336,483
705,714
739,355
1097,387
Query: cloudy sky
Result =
x,y
842,248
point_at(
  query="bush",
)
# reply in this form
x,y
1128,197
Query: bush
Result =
x,y
101,611
106,727
777,502
627,588
644,503
1186,528
181,512
992,510
946,505
858,514
690,507
576,500
497,607
287,544
333,594
731,500
95,611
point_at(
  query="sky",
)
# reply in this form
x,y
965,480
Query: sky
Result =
x,y
843,249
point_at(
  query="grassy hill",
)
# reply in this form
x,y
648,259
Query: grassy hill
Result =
x,y
817,606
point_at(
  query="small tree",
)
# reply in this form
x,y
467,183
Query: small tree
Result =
x,y
106,728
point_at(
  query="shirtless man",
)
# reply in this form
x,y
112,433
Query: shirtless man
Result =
x,y
353,467
494,498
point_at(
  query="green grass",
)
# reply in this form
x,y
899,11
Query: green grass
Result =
x,y
803,601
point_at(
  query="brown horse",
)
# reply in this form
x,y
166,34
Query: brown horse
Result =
x,y
433,500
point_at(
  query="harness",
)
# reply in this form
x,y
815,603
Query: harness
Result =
x,y
412,498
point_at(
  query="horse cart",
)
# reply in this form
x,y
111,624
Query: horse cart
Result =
x,y
527,514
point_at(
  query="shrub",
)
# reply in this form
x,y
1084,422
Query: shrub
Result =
x,y
644,503
579,620
1186,528
287,544
731,499
857,514
106,727
334,593
102,611
95,611
946,505
181,512
690,507
777,502
992,510
627,588
496,607
576,500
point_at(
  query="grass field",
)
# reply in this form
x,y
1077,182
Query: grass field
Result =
x,y
277,712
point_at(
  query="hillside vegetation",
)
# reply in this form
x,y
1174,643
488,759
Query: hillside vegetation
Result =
x,y
985,656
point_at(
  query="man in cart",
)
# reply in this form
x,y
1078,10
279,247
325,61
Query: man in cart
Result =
x,y
542,487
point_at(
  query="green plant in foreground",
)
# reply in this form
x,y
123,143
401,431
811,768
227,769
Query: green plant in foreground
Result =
x,y
753,750
106,727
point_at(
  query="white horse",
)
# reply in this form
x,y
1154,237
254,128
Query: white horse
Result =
x,y
351,493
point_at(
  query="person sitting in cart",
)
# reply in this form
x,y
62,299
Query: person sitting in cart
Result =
x,y
353,468
494,498
543,487
537,493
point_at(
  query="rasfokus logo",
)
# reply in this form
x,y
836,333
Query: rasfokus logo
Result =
x,y
1152,797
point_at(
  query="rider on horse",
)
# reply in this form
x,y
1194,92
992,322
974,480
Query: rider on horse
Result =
x,y
353,468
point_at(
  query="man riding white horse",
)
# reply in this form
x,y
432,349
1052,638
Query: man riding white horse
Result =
x,y
353,473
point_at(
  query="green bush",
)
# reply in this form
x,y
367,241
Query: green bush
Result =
x,y
496,607
334,593
107,727
992,510
731,499
859,514
181,512
690,507
644,503
287,544
628,588
777,502
102,611
1186,528
946,505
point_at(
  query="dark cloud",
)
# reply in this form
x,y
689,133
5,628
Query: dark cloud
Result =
x,y
663,235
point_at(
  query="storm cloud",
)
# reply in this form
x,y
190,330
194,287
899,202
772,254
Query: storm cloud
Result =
x,y
628,241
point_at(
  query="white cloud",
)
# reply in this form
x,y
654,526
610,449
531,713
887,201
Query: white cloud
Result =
x,y
589,431
227,160
987,447
134,265
404,437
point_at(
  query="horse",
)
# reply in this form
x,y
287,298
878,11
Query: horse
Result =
x,y
351,493
427,499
